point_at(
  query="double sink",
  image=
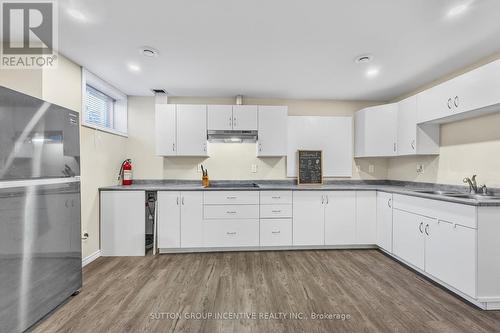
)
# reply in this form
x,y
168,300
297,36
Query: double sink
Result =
x,y
461,195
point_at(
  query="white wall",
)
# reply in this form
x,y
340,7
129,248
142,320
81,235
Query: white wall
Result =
x,y
227,161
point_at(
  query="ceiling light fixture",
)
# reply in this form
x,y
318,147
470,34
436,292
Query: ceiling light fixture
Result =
x,y
134,67
148,52
458,10
372,72
76,14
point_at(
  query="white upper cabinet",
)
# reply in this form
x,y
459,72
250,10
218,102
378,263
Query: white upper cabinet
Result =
x,y
165,126
272,139
181,130
376,131
245,117
415,139
467,95
220,117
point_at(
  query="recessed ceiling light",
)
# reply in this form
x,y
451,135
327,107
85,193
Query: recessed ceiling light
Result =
x,y
458,10
372,72
363,59
148,51
134,67
76,14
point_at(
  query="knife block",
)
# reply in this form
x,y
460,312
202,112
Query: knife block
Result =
x,y
205,182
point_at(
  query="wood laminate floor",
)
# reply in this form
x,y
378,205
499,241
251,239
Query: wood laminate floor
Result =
x,y
155,294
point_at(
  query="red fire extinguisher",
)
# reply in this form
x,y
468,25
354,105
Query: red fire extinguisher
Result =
x,y
126,172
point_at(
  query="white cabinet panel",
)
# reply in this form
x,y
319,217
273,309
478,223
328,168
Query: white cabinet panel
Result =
x,y
276,232
231,212
272,137
384,221
191,219
245,117
308,218
376,131
450,255
231,233
275,197
165,127
340,218
169,219
122,223
220,117
366,217
409,237
275,211
231,198
192,130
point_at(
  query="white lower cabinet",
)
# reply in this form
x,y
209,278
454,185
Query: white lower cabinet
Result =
x,y
366,217
180,219
450,255
276,232
122,223
409,237
340,218
308,218
231,233
384,220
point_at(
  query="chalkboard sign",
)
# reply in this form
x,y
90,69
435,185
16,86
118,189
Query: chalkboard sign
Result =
x,y
310,168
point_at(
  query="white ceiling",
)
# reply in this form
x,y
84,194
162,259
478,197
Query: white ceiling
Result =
x,y
277,48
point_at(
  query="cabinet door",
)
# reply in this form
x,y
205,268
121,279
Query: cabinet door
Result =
x,y
192,130
409,237
359,133
340,218
220,117
272,131
169,220
407,126
437,102
165,127
379,124
123,228
450,255
366,217
245,117
191,219
308,218
384,221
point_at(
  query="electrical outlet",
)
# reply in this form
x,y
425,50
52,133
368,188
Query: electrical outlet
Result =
x,y
420,169
254,168
371,168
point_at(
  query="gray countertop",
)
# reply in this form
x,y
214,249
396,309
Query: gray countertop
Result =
x,y
396,187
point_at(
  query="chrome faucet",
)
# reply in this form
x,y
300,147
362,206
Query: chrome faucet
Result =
x,y
472,184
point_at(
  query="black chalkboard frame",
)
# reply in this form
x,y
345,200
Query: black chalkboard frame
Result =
x,y
298,167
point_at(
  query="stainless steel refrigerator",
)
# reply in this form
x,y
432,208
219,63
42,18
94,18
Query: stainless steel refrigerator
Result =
x,y
40,242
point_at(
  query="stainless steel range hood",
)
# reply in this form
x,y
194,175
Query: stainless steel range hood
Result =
x,y
232,136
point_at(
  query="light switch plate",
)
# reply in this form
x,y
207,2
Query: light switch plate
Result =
x,y
254,168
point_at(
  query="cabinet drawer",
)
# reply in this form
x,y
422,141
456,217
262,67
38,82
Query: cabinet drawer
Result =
x,y
275,211
275,197
441,210
231,198
231,233
277,232
231,212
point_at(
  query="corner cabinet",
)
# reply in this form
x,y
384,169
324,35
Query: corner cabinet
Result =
x,y
181,130
272,137
376,131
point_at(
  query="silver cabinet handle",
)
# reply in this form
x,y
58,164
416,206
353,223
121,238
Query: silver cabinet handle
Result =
x,y
420,227
182,201
322,199
389,203
177,201
230,122
234,121
413,144
456,101
427,230
276,211
394,147
260,146
450,103
275,232
327,200
205,147
173,146
231,233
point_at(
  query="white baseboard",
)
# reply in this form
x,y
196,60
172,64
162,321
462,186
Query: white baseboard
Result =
x,y
88,259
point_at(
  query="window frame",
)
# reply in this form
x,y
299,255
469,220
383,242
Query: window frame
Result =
x,y
120,105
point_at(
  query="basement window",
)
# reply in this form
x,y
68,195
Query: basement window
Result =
x,y
104,107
